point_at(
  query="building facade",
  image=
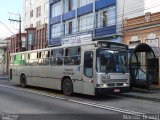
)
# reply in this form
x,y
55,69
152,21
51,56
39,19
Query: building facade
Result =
x,y
3,57
75,21
145,29
36,23
13,43
35,13
79,21
127,9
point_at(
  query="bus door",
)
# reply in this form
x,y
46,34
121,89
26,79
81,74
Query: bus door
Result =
x,y
88,86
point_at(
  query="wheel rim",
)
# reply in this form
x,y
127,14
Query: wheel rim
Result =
x,y
67,87
23,82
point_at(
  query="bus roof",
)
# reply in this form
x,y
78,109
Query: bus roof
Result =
x,y
67,46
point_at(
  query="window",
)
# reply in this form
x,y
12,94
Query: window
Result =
x,y
88,64
27,3
33,59
85,2
44,57
23,60
86,22
32,2
38,23
72,56
109,61
69,5
56,30
12,59
46,7
106,17
56,9
70,27
46,20
38,11
31,13
56,57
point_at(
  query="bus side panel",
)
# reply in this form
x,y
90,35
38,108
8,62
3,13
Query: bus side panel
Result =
x,y
15,77
47,76
75,72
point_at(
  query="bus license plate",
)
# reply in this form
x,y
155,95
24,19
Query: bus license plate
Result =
x,y
116,90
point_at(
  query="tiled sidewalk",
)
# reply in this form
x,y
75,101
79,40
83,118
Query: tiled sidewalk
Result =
x,y
153,95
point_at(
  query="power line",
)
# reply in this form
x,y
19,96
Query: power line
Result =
x,y
6,27
19,21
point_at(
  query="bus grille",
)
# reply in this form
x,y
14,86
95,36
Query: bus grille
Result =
x,y
116,80
115,84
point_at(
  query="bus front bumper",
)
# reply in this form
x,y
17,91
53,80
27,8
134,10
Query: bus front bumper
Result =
x,y
117,90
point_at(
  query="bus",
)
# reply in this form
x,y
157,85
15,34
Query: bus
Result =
x,y
95,68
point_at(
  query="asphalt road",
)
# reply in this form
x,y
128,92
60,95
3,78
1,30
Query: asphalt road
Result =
x,y
15,103
37,103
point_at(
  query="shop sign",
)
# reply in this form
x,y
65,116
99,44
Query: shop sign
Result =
x,y
77,39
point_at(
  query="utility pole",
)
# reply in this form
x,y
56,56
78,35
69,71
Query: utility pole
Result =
x,y
19,41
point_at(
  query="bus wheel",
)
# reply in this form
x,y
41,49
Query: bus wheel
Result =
x,y
67,87
23,81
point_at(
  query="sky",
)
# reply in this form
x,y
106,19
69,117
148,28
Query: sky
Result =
x,y
7,7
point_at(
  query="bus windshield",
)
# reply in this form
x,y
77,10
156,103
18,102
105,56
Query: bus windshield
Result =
x,y
109,61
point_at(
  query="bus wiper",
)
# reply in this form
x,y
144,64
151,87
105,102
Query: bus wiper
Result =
x,y
107,71
122,66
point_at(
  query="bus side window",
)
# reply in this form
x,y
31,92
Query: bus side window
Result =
x,y
56,57
72,56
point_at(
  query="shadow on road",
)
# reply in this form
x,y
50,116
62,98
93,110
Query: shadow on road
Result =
x,y
106,97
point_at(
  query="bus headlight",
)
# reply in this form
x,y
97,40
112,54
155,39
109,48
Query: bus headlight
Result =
x,y
125,84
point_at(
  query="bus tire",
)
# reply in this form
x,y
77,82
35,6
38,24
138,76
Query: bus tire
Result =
x,y
67,87
23,81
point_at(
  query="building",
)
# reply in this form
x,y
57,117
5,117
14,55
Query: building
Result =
x,y
127,9
145,29
35,13
13,43
3,57
82,21
36,23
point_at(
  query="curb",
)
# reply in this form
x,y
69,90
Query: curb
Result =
x,y
4,78
141,97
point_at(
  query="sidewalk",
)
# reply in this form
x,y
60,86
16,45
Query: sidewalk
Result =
x,y
152,95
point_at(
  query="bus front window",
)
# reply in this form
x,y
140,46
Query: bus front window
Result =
x,y
109,61
121,61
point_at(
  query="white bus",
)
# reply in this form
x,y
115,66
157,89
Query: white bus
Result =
x,y
95,68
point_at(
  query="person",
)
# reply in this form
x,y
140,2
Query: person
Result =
x,y
73,62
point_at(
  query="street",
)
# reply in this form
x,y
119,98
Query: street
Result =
x,y
47,103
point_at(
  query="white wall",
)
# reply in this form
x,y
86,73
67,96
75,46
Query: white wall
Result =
x,y
27,20
134,8
1,59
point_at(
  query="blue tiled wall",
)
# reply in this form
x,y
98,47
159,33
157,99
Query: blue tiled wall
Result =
x,y
54,42
105,31
103,3
85,9
69,15
55,20
53,1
